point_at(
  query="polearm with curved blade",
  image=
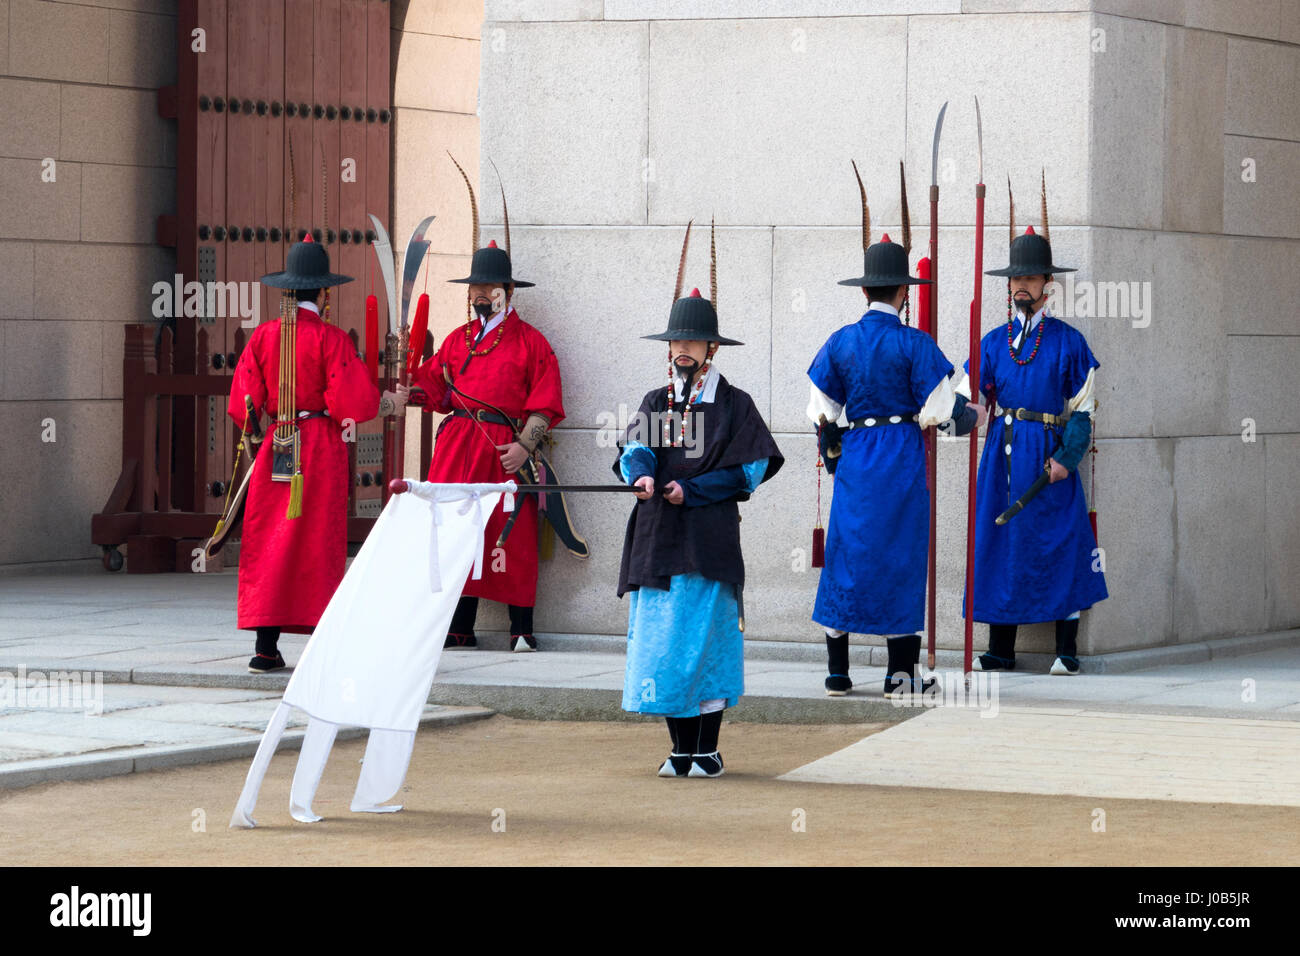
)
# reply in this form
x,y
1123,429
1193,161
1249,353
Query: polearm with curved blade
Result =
x,y
931,434
397,340
975,306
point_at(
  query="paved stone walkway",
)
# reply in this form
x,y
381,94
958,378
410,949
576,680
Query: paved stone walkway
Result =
x,y
1081,752
115,673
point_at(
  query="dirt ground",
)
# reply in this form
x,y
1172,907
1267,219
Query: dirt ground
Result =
x,y
586,793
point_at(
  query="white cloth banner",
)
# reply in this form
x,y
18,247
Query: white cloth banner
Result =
x,y
371,661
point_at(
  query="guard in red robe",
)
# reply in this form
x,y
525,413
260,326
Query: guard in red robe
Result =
x,y
498,380
290,566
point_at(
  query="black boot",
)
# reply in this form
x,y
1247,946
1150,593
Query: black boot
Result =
x,y
1067,652
678,763
900,673
266,655
705,759
461,631
1001,655
837,657
521,628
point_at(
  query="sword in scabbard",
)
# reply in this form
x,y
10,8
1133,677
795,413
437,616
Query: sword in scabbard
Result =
x,y
1039,484
399,487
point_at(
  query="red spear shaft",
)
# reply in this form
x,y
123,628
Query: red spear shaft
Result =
x,y
975,394
931,298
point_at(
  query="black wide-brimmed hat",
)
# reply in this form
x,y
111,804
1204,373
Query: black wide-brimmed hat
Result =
x,y
1031,255
884,263
307,266
490,265
693,318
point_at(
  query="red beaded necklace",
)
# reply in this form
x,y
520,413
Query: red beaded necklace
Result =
x,y
694,394
469,336
1038,340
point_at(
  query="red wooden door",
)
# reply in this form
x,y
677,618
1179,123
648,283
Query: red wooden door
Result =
x,y
274,77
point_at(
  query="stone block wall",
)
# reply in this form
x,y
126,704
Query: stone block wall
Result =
x,y
616,122
86,165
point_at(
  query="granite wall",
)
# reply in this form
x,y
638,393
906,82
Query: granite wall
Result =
x,y
1170,136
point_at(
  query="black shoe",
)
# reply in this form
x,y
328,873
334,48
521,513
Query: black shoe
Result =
x,y
523,643
677,765
903,687
706,765
460,640
1066,666
261,663
837,685
991,662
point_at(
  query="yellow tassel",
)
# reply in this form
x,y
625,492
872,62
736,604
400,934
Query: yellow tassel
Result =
x,y
221,523
295,497
546,546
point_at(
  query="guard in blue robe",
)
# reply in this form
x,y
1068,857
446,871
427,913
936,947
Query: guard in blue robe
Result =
x,y
891,381
696,449
1041,565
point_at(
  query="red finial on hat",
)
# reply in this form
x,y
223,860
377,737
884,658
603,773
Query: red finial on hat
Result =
x,y
695,294
492,244
1030,231
885,237
307,238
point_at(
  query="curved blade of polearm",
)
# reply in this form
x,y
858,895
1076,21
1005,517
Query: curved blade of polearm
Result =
x,y
415,250
934,149
384,252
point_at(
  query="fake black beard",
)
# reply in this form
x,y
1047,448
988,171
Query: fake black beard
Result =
x,y
685,373
1025,305
484,310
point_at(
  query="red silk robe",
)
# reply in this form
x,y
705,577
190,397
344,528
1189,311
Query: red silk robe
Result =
x,y
288,569
519,376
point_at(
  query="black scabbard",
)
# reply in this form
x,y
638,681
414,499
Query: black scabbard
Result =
x,y
1039,483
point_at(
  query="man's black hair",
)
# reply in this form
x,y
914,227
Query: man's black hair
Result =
x,y
305,295
882,293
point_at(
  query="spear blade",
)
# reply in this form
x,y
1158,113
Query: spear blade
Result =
x,y
415,250
384,253
979,138
934,149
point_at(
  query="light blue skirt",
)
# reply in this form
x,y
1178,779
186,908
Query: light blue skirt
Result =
x,y
684,647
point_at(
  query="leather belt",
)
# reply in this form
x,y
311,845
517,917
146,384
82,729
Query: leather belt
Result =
x,y
1027,415
303,416
484,415
876,421
1012,415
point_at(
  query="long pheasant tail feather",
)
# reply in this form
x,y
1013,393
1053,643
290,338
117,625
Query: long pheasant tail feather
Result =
x,y
505,210
325,199
1011,202
473,205
866,210
1046,233
713,265
907,218
681,265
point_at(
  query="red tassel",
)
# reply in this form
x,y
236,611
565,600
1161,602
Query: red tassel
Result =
x,y
372,336
819,548
418,332
1092,520
924,322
